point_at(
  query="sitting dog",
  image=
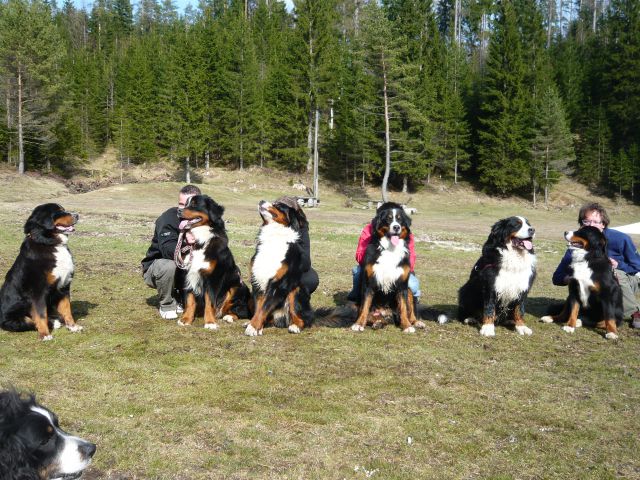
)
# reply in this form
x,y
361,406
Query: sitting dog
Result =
x,y
32,444
501,279
384,289
39,282
276,270
212,275
593,288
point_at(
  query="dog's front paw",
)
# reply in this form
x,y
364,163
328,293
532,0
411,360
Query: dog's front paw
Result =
x,y
251,331
469,321
546,319
182,324
357,328
611,336
442,318
46,338
523,330
57,324
228,319
488,330
294,329
211,326
568,329
409,330
74,328
419,324
578,322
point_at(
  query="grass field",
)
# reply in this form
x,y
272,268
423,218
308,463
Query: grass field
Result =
x,y
169,402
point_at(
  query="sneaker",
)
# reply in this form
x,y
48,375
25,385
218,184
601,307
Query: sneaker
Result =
x,y
168,314
635,320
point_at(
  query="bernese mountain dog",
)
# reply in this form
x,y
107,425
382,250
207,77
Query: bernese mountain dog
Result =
x,y
37,287
276,273
384,289
501,279
32,444
212,276
593,288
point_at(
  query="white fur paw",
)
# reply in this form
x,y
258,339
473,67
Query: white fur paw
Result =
x,y
523,330
294,329
183,324
419,324
488,330
469,321
211,326
611,336
47,338
228,319
442,318
57,324
245,324
252,332
74,328
546,319
357,328
409,330
568,329
578,322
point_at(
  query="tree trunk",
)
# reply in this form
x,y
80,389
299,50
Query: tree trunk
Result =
x,y
405,182
387,136
546,180
310,143
206,161
455,165
8,101
316,157
20,138
187,170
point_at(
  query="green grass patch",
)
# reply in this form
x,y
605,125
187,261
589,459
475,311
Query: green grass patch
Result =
x,y
167,402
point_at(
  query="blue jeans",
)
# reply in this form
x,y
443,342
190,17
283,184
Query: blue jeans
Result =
x,y
354,294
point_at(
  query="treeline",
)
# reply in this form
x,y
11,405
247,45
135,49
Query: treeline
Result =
x,y
506,94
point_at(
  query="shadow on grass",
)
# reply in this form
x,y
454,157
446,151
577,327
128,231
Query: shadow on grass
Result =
x,y
540,306
82,308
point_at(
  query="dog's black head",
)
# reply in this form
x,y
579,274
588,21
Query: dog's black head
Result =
x,y
391,222
512,232
282,212
48,221
32,444
202,210
589,239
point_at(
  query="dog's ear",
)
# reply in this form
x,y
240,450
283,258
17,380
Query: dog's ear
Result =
x,y
499,232
298,219
215,212
40,219
406,218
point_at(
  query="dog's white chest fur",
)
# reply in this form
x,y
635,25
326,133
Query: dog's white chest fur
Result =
x,y
386,269
63,271
197,262
582,273
516,270
273,243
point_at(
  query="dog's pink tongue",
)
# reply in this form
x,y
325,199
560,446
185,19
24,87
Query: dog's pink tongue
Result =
x,y
183,224
527,244
395,240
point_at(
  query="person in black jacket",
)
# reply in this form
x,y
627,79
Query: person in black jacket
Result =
x,y
158,266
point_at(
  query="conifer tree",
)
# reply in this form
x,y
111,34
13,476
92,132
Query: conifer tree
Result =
x,y
503,149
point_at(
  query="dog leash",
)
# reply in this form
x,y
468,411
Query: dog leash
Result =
x,y
180,252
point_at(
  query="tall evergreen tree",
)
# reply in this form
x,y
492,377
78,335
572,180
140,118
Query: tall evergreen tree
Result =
x,y
503,151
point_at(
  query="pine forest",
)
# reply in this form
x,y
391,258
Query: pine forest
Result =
x,y
507,95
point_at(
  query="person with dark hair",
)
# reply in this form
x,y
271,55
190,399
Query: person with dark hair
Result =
x,y
310,277
158,265
622,253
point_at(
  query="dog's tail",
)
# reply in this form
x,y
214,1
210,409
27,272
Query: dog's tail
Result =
x,y
338,317
433,314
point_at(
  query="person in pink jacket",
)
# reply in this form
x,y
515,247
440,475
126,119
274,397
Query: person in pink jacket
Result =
x,y
363,242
